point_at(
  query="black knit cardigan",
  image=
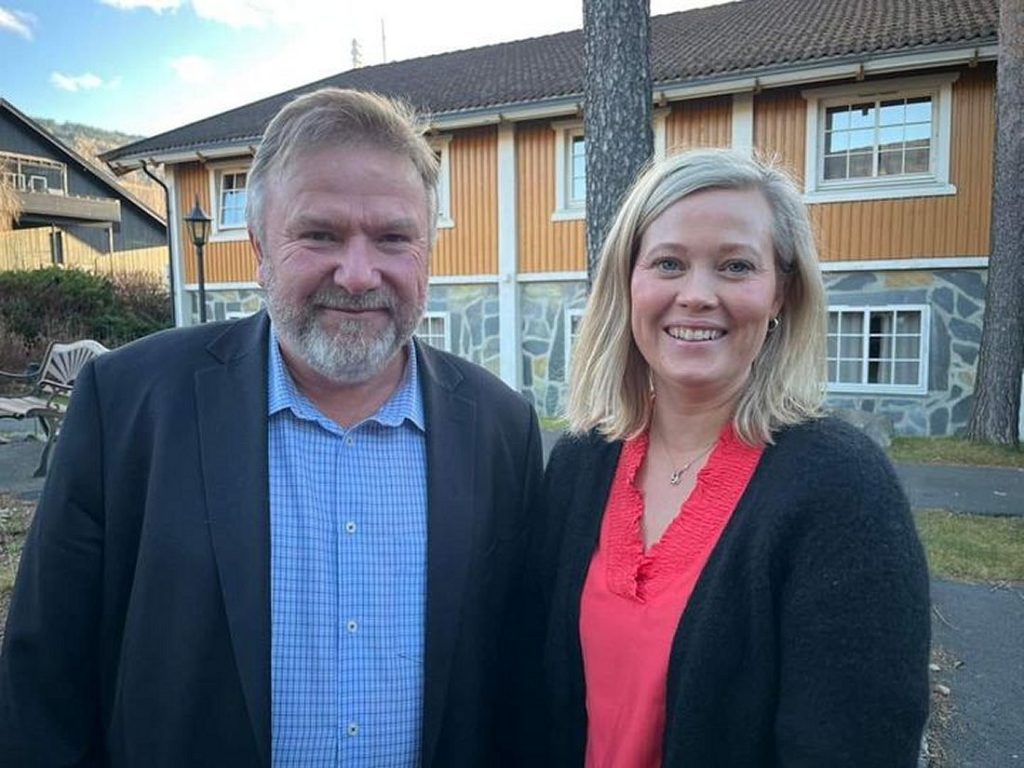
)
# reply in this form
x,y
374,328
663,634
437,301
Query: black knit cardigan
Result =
x,y
805,641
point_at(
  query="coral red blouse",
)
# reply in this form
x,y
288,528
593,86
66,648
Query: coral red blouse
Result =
x,y
633,600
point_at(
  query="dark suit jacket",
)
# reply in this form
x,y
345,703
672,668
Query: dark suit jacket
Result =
x,y
139,631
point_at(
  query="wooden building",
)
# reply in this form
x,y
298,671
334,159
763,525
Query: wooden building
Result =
x,y
885,116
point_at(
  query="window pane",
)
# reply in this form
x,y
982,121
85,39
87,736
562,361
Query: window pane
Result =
x,y
862,115
908,322
851,346
849,372
919,110
892,113
833,345
918,135
837,118
833,370
917,161
833,322
890,163
879,372
907,347
906,373
860,164
890,138
837,142
852,323
863,139
835,167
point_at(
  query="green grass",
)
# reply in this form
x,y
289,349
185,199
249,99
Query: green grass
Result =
x,y
972,547
953,450
553,423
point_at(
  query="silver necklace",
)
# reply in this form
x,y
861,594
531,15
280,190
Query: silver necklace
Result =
x,y
677,474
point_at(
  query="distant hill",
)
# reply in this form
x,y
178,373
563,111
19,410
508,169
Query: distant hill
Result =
x,y
91,142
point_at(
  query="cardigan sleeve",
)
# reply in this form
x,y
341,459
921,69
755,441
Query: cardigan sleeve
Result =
x,y
853,620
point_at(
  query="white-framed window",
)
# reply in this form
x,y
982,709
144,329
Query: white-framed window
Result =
x,y
573,318
15,181
37,184
879,139
440,145
435,329
228,185
570,170
878,349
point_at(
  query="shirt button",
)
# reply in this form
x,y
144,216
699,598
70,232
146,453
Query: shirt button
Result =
x,y
353,729
350,527
352,626
350,440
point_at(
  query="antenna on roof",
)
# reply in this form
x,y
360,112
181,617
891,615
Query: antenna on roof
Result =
x,y
383,43
357,58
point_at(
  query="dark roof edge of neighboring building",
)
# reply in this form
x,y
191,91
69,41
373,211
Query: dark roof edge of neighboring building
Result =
x,y
82,163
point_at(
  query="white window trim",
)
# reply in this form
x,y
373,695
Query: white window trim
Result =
x,y
924,348
570,313
939,86
32,179
659,126
566,209
445,317
215,172
440,144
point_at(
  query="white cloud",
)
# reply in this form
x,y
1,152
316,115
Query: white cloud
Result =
x,y
192,69
74,83
18,22
157,6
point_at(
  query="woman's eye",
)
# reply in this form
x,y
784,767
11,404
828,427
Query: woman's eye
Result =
x,y
739,267
667,265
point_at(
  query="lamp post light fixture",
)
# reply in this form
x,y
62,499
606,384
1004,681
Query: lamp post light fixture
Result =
x,y
198,224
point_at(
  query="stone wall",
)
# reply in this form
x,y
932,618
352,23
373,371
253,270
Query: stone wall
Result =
x,y
473,318
225,304
957,300
543,332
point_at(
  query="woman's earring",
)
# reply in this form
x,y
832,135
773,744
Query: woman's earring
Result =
x,y
774,323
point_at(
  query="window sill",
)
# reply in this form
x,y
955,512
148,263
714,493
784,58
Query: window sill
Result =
x,y
569,214
875,389
854,194
445,222
229,235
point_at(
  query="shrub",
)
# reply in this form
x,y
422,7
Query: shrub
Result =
x,y
38,306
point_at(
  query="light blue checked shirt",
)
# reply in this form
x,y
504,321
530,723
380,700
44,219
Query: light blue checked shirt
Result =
x,y
348,544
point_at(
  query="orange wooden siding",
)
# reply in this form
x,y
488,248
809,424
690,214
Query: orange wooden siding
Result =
x,y
922,227
699,123
544,245
471,246
224,262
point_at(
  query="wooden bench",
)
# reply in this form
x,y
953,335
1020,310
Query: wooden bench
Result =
x,y
47,389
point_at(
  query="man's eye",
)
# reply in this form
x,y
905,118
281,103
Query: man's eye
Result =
x,y
318,236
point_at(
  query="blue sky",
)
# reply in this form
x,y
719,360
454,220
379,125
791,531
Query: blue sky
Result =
x,y
146,66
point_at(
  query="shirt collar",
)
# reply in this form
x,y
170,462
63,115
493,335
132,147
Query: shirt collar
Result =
x,y
406,402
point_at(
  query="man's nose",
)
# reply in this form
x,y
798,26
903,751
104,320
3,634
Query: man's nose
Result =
x,y
357,270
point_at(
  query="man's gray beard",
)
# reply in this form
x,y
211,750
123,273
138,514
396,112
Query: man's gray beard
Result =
x,y
350,354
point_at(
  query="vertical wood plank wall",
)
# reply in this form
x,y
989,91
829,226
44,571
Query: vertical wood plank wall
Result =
x,y
471,246
699,123
223,262
922,227
544,245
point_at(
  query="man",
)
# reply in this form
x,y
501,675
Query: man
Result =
x,y
284,541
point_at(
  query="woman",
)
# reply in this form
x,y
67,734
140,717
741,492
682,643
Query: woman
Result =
x,y
730,579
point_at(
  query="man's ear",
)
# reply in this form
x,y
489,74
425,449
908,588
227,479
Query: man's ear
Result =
x,y
257,248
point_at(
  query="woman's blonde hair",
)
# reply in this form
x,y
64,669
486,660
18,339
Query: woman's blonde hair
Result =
x,y
609,385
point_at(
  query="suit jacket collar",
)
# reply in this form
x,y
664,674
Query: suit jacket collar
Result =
x,y
231,409
451,503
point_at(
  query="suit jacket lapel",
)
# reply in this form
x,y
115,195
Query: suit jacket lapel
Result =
x,y
231,402
451,501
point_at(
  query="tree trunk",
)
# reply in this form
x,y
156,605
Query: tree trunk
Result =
x,y
617,108
997,390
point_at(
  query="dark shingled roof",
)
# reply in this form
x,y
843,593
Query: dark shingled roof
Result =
x,y
733,39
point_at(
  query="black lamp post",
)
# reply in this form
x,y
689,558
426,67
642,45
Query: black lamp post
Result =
x,y
199,230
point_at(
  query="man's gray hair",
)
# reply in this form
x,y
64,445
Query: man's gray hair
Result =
x,y
339,118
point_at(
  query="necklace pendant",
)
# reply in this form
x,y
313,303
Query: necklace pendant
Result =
x,y
677,475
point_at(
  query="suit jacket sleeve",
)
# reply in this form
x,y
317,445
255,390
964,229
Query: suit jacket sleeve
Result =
x,y
49,673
